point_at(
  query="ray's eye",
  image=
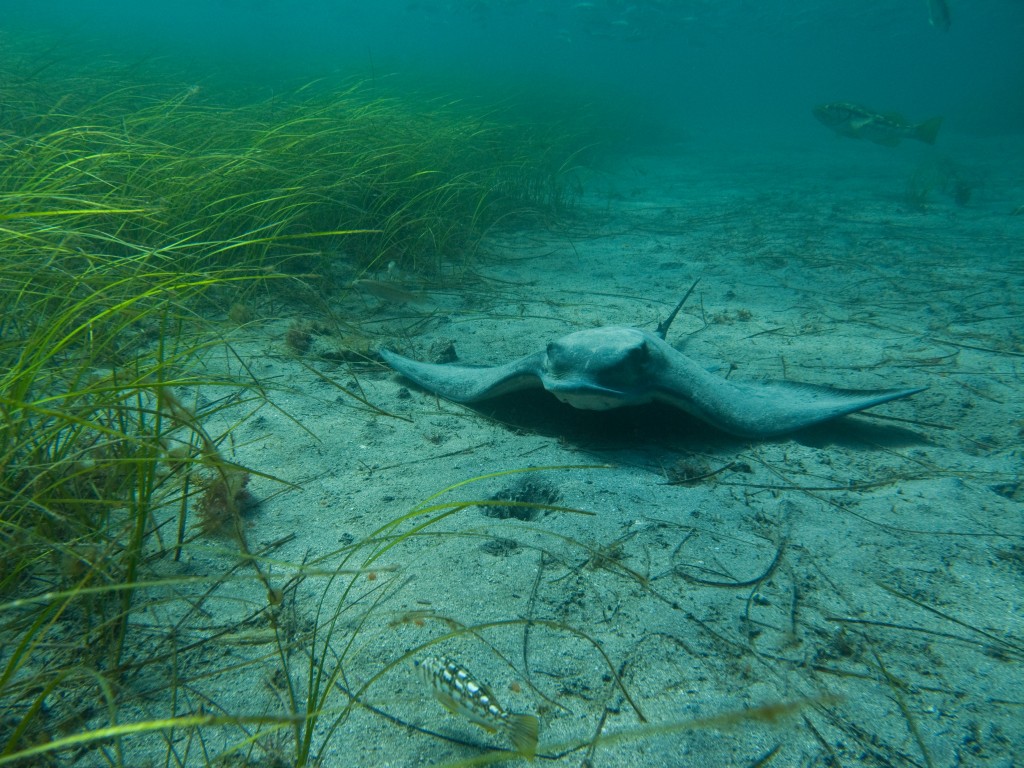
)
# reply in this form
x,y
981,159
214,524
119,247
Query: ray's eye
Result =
x,y
636,356
624,370
554,362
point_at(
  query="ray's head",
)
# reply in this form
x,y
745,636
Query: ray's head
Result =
x,y
598,369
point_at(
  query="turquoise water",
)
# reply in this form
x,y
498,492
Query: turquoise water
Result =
x,y
866,573
737,65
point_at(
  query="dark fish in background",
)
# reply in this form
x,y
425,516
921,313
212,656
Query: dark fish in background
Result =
x,y
938,14
857,122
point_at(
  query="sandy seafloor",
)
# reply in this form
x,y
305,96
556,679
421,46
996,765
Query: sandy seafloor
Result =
x,y
879,560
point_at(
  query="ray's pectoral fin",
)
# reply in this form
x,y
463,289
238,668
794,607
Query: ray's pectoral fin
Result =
x,y
467,383
770,408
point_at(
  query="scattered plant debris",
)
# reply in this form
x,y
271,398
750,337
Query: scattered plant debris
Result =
x,y
523,492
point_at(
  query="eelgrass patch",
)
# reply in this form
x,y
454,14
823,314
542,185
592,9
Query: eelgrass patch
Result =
x,y
146,220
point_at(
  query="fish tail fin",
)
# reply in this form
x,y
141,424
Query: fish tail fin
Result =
x,y
928,130
524,730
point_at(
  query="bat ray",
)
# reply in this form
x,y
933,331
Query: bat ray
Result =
x,y
614,366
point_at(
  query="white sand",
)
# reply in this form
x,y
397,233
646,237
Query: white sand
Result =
x,y
898,585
